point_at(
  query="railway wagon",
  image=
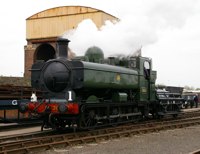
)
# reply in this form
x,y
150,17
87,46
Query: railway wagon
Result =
x,y
91,91
10,97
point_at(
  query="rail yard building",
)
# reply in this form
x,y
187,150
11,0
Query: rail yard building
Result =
x,y
43,28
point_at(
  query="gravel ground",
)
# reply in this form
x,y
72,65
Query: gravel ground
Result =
x,y
178,141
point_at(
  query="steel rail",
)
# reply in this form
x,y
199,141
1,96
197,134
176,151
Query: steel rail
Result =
x,y
31,136
93,136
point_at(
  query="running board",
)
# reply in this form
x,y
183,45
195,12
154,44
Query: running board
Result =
x,y
118,116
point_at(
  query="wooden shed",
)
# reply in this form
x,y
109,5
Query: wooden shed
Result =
x,y
44,27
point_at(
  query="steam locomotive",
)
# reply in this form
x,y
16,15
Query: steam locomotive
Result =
x,y
90,91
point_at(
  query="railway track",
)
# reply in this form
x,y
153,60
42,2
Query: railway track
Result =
x,y
34,143
49,132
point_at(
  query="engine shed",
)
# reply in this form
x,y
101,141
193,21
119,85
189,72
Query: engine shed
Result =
x,y
43,28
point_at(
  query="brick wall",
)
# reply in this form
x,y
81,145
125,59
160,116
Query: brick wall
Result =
x,y
29,52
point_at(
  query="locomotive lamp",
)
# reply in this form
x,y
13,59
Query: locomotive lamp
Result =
x,y
33,97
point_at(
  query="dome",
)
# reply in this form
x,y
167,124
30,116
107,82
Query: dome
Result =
x,y
94,54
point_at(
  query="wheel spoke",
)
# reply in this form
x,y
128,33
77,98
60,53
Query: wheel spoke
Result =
x,y
88,120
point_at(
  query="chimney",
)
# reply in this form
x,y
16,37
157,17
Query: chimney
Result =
x,y
111,60
62,47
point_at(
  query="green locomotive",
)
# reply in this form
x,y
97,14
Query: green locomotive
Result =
x,y
91,91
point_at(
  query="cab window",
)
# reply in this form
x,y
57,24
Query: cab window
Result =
x,y
147,69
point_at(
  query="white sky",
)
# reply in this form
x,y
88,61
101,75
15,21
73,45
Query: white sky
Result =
x,y
168,31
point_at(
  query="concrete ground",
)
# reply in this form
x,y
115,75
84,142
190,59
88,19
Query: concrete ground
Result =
x,y
178,141
20,131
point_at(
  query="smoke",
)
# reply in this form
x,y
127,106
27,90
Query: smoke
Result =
x,y
171,13
136,29
113,38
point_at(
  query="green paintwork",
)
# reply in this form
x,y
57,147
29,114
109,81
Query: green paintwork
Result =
x,y
146,90
153,87
92,99
140,79
119,97
94,54
108,76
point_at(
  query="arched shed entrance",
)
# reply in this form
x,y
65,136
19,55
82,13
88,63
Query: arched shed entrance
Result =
x,y
44,52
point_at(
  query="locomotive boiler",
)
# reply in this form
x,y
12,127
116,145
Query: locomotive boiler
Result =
x,y
91,91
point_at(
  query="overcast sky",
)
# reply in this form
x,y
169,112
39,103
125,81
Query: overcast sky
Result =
x,y
167,30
